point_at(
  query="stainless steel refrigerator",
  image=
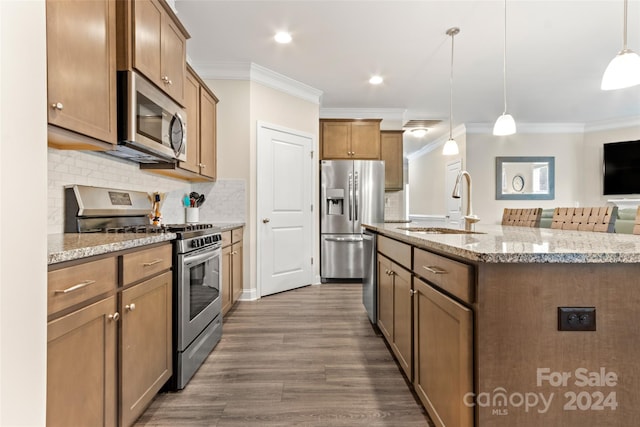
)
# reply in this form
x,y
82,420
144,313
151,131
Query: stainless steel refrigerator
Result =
x,y
351,194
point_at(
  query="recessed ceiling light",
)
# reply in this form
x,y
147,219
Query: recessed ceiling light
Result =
x,y
282,37
376,80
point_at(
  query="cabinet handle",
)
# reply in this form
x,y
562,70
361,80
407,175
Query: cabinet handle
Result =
x,y
115,316
234,253
202,165
75,287
412,292
165,79
130,307
150,263
266,220
57,106
434,270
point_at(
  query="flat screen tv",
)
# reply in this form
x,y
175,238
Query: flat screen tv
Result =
x,y
622,168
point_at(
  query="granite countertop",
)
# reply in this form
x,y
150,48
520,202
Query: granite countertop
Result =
x,y
508,244
71,246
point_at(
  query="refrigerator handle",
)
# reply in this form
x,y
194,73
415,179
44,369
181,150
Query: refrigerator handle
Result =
x,y
356,195
350,198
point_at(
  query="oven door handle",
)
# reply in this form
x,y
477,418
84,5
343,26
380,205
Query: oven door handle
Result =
x,y
199,257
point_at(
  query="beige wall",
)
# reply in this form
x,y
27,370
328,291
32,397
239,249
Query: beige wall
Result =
x,y
23,228
592,160
427,178
482,150
242,105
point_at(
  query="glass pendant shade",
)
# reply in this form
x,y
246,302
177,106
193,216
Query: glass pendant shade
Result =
x,y
505,125
623,71
450,148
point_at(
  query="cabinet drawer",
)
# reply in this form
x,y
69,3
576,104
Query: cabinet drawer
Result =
x,y
72,285
226,238
398,252
452,276
145,263
236,235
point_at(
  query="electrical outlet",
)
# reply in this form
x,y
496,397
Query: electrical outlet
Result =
x,y
576,318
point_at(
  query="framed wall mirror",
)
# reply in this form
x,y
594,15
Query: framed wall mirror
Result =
x,y
525,178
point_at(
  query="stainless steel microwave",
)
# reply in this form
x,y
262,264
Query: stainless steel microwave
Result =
x,y
152,127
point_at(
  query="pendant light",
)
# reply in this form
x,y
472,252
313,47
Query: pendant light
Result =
x,y
623,70
451,146
505,125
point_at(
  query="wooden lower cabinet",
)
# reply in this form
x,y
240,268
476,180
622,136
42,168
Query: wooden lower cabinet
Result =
x,y
109,337
443,356
81,367
146,359
394,310
232,266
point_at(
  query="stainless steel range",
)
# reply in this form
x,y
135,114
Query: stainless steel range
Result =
x,y
197,261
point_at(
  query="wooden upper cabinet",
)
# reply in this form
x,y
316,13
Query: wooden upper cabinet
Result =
x,y
365,140
81,74
153,41
207,134
192,105
350,139
391,153
147,40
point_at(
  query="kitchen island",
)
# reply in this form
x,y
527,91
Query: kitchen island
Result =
x,y
512,325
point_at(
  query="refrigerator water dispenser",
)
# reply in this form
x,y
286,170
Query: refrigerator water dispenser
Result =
x,y
335,201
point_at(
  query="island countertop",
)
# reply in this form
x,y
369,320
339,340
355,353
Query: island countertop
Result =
x,y
509,244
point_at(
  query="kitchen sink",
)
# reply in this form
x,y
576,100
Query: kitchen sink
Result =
x,y
438,230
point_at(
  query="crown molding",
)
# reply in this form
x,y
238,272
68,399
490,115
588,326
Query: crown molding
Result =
x,y
620,123
225,70
395,114
439,142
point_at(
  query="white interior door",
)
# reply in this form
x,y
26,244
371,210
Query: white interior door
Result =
x,y
454,206
285,219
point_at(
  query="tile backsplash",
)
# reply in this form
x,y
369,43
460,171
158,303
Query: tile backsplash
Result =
x,y
394,205
225,199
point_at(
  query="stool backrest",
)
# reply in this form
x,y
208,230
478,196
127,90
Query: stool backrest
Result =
x,y
522,217
601,219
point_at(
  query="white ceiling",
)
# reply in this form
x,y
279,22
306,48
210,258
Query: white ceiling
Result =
x,y
556,51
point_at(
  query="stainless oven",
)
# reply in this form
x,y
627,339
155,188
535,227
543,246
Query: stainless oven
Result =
x,y
197,301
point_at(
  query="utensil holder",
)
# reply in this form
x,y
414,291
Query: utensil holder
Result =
x,y
192,214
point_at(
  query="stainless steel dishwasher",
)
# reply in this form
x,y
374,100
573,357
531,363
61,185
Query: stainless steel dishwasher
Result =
x,y
370,276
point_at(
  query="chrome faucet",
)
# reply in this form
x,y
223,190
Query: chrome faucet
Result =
x,y
469,218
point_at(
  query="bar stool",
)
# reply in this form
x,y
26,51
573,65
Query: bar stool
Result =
x,y
601,219
522,217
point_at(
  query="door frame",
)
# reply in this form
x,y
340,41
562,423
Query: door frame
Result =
x,y
261,127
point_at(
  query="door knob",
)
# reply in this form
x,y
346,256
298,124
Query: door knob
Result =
x,y
266,220
130,307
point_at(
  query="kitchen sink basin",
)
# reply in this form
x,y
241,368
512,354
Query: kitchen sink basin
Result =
x,y
437,230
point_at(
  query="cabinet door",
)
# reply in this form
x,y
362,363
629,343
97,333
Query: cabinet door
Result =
x,y
81,367
225,287
207,135
402,317
173,59
443,342
385,298
391,153
147,25
192,105
81,39
335,140
365,140
236,260
146,352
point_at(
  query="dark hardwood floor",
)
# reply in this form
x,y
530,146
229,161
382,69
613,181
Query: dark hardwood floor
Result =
x,y
307,357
